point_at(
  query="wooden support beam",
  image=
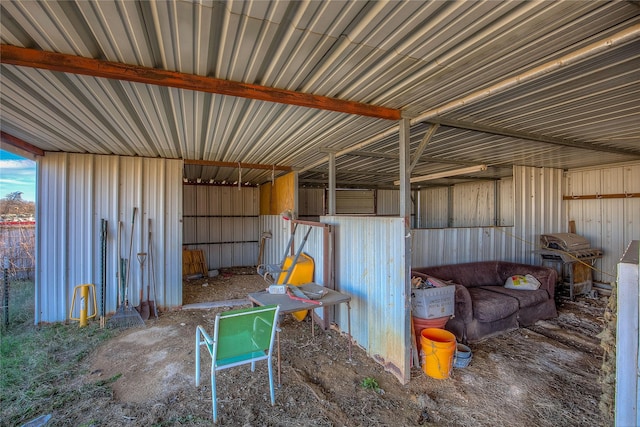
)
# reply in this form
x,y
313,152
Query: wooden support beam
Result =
x,y
602,196
134,73
18,143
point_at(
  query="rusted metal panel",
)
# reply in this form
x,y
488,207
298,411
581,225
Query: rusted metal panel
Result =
x,y
370,266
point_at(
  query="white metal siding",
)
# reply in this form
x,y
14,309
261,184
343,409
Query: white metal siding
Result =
x,y
538,209
388,202
505,202
433,207
608,224
77,192
370,266
458,245
627,338
473,204
222,221
353,202
311,203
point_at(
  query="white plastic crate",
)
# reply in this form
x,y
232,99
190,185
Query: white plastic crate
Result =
x,y
433,302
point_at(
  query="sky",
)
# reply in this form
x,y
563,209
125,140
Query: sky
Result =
x,y
17,174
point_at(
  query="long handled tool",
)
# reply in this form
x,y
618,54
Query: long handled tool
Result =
x,y
152,276
126,316
133,222
103,271
144,305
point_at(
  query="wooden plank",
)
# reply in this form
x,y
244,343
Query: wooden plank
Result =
x,y
193,262
18,143
602,196
115,70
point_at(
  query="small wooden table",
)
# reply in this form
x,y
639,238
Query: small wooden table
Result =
x,y
289,305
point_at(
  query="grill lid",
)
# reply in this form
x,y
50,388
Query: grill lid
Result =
x,y
568,242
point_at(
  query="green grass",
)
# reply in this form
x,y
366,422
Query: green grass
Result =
x,y
40,365
370,383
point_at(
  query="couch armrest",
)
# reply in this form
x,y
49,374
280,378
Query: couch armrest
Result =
x,y
463,307
548,279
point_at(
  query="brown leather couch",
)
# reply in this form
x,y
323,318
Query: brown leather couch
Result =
x,y
484,307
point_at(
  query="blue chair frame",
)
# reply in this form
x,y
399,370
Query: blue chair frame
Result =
x,y
240,337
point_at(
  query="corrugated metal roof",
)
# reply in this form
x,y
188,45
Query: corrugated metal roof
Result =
x,y
414,56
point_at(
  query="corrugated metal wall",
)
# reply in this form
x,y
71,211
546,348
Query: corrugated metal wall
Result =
x,y
222,221
438,246
505,202
433,207
77,191
354,202
609,224
532,200
370,266
538,209
311,203
388,202
472,204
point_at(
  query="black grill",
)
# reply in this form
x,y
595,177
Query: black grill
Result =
x,y
573,256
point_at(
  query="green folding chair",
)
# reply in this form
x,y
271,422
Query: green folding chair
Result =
x,y
240,337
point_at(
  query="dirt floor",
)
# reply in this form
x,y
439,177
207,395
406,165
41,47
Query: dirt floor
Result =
x,y
546,375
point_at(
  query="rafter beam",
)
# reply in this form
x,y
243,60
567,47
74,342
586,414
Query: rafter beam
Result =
x,y
624,36
533,137
18,143
134,73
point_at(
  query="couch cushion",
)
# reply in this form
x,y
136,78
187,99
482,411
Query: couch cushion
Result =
x,y
525,298
490,306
